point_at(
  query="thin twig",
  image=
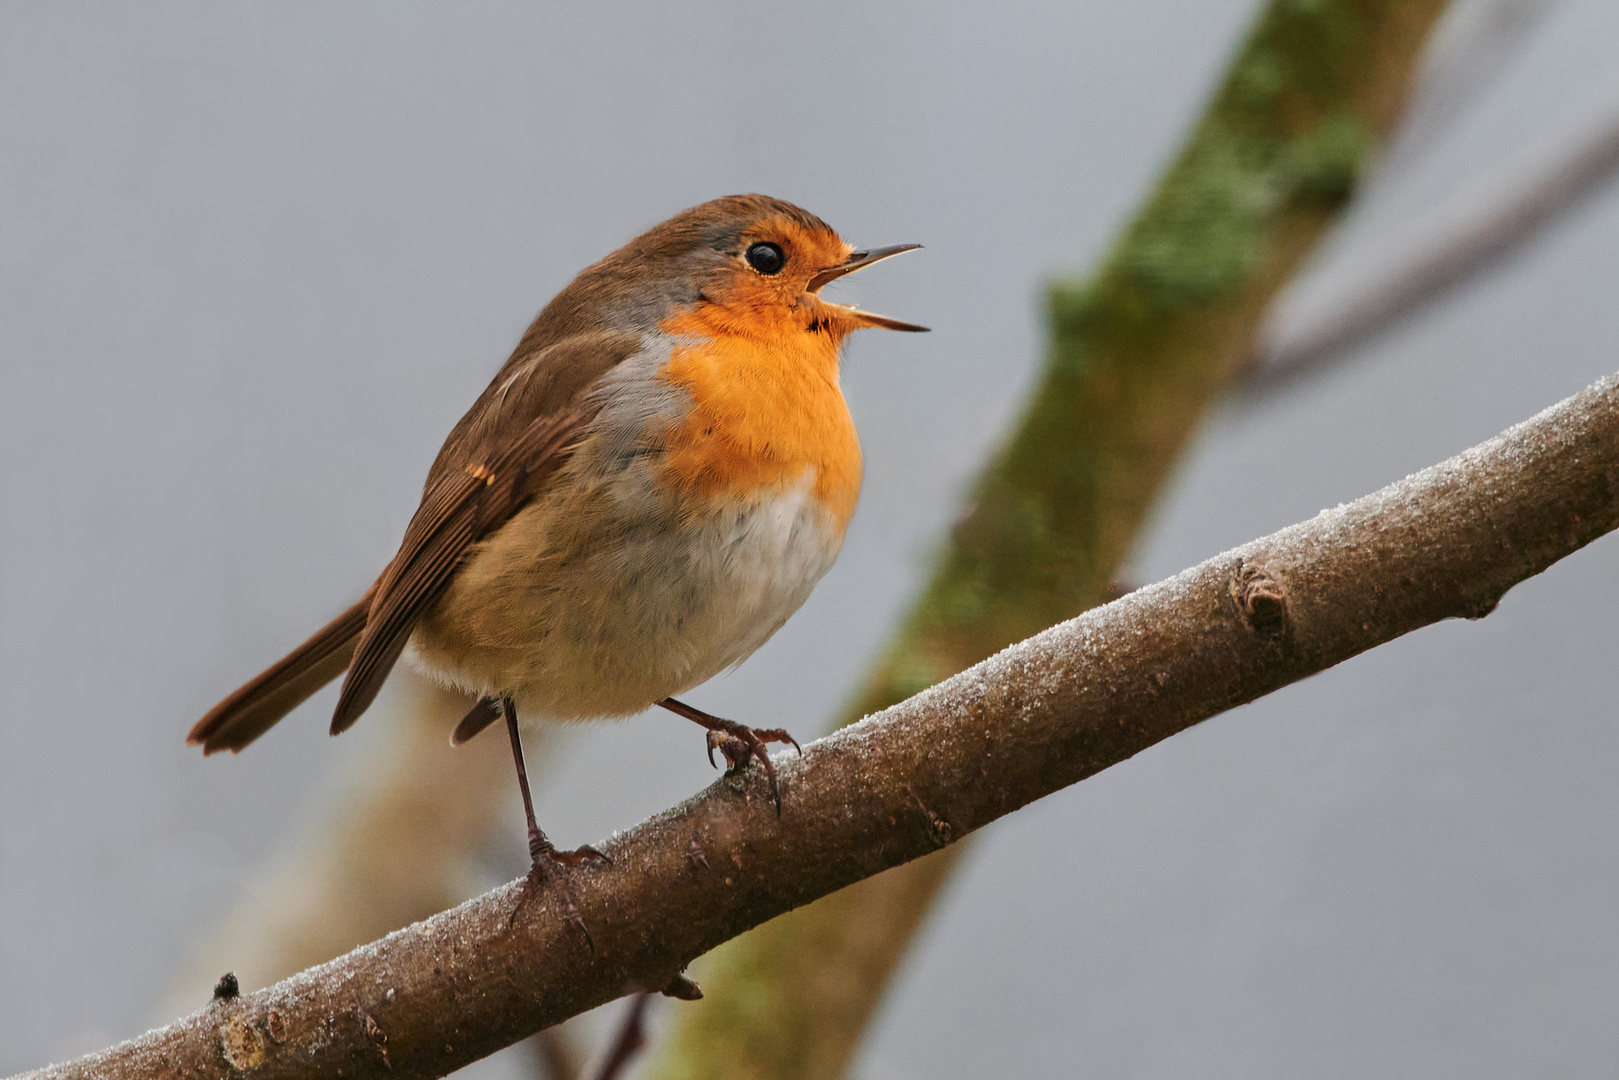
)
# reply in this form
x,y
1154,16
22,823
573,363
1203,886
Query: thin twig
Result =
x,y
1477,230
1470,48
630,1039
1084,695
554,1055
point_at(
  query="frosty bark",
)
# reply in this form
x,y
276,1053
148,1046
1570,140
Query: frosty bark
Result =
x,y
1069,702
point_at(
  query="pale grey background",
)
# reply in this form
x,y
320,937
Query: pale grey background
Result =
x,y
254,261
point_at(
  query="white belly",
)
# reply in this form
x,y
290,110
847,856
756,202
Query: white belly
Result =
x,y
605,604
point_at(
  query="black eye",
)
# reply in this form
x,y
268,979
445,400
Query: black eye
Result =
x,y
766,258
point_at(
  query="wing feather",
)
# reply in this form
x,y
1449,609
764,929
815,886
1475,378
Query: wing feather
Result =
x,y
515,437
460,510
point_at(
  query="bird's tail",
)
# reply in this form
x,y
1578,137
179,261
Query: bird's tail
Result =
x,y
255,708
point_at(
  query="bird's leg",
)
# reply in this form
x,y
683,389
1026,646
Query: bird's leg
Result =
x,y
738,742
544,858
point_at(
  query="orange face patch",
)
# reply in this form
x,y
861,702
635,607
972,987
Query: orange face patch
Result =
x,y
762,373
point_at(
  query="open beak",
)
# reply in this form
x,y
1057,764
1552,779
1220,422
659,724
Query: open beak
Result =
x,y
859,260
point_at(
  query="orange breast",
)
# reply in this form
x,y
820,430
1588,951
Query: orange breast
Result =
x,y
767,412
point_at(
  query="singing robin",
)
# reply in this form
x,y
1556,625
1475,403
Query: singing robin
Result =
x,y
649,488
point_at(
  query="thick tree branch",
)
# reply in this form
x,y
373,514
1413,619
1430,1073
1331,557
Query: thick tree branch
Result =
x,y
1446,542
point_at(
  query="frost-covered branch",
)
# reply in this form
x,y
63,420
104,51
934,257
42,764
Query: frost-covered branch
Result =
x,y
1046,713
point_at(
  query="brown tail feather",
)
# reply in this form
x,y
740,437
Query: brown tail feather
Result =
x,y
253,709
486,712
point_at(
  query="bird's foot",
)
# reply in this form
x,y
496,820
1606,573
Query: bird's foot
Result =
x,y
547,864
738,743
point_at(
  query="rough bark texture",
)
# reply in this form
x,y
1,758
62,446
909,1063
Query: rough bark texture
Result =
x,y
1136,355
1446,542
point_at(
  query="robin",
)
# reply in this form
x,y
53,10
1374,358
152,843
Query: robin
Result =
x,y
649,488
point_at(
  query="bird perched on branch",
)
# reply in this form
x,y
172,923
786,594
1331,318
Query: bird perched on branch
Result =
x,y
649,488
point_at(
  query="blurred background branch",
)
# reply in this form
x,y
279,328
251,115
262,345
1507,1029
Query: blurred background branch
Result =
x,y
404,842
1477,228
1467,52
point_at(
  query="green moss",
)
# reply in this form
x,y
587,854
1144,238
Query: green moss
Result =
x,y
1326,164
1208,229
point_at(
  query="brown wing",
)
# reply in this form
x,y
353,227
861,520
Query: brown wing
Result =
x,y
485,474
460,509
516,434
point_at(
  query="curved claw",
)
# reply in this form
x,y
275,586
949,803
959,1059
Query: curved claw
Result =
x,y
570,911
738,742
777,734
770,771
585,851
752,745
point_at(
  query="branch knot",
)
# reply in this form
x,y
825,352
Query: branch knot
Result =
x,y
1261,600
